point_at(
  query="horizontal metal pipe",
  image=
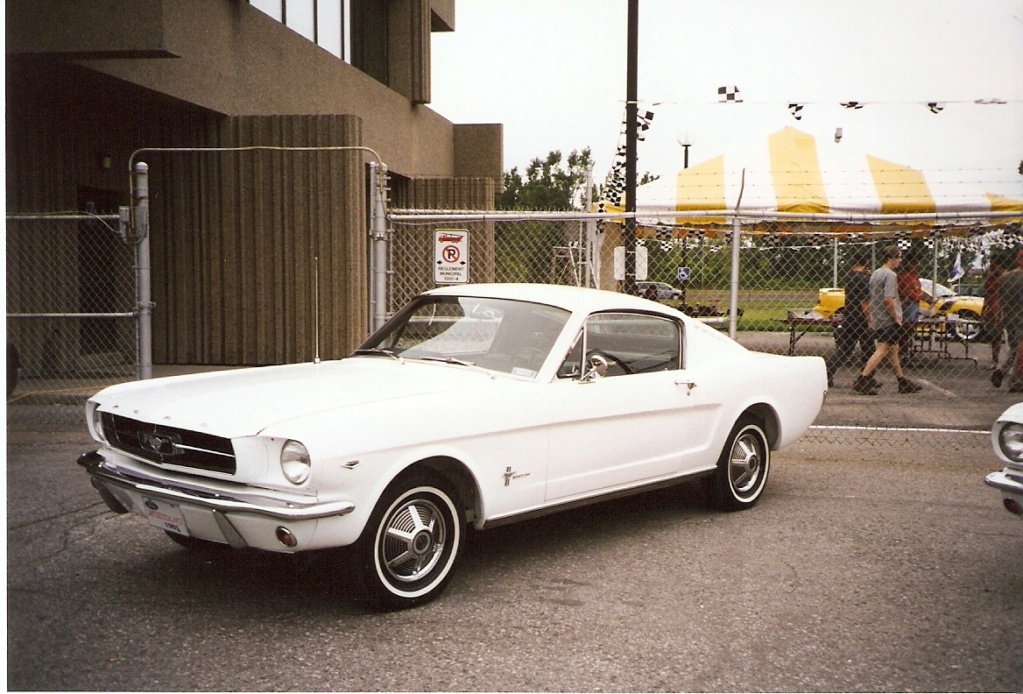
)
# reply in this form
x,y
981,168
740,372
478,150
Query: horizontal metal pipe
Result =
x,y
71,315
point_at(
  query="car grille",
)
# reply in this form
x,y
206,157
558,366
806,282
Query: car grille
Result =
x,y
168,445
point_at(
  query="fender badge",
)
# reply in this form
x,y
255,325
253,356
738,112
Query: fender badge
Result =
x,y
509,475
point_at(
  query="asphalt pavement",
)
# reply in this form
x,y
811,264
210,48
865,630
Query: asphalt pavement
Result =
x,y
868,565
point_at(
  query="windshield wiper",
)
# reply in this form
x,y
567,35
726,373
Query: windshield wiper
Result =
x,y
449,360
377,352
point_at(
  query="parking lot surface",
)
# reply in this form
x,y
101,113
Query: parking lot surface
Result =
x,y
865,567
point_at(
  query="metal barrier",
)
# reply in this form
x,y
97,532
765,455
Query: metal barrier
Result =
x,y
71,313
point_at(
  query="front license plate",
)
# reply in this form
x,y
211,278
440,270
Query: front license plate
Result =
x,y
165,516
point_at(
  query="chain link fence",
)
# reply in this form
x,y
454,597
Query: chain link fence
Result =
x,y
71,319
789,298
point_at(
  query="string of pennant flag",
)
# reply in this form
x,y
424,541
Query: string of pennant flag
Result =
x,y
614,184
666,236
731,94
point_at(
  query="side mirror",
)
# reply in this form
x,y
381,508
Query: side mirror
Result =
x,y
596,367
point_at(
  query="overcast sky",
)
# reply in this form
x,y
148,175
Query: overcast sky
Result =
x,y
553,72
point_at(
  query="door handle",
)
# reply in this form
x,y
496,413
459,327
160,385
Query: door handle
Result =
x,y
688,384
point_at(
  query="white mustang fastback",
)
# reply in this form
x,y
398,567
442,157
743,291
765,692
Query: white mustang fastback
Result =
x,y
474,406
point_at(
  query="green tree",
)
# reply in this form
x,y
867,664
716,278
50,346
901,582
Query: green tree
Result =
x,y
549,184
527,251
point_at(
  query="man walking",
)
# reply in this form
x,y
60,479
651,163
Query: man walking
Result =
x,y
1010,307
886,313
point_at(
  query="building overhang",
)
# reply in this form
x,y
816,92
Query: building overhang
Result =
x,y
54,28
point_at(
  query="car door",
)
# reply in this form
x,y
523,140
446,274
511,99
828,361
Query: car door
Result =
x,y
622,426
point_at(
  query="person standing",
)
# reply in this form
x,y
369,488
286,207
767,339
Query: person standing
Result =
x,y
857,325
1010,308
910,294
990,320
886,313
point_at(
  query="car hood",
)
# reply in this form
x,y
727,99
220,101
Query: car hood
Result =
x,y
1013,414
243,402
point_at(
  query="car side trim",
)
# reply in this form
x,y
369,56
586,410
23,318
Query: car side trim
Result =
x,y
596,499
273,508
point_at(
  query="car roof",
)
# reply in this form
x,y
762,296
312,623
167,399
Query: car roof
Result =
x,y
570,298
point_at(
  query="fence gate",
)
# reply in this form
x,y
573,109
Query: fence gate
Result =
x,y
71,314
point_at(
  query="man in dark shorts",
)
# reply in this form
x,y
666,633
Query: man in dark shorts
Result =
x,y
886,312
856,329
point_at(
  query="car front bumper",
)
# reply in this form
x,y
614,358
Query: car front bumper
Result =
x,y
1010,484
245,520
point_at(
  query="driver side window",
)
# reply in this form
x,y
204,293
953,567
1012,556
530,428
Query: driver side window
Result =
x,y
629,343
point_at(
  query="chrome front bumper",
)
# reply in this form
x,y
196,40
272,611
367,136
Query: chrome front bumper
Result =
x,y
217,502
1007,482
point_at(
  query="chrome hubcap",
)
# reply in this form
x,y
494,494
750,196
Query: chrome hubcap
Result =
x,y
413,540
745,465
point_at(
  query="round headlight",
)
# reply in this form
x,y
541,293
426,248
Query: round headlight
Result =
x,y
97,424
295,462
1010,440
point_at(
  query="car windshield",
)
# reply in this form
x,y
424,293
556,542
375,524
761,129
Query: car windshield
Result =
x,y
498,334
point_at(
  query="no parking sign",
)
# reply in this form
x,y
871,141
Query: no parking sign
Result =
x,y
451,256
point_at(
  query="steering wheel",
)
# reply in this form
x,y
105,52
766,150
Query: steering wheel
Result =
x,y
610,357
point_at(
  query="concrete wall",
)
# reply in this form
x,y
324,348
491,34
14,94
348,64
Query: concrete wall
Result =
x,y
177,48
236,238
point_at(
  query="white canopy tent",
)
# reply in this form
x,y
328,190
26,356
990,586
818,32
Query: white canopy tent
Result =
x,y
791,173
792,184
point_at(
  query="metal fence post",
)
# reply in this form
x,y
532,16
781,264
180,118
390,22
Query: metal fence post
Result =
x,y
378,236
733,284
143,271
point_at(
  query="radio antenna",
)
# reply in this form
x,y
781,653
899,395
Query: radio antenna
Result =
x,y
316,309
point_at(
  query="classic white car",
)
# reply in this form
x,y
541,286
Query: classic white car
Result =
x,y
1007,440
475,406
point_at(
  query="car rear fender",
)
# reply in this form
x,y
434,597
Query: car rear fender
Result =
x,y
768,417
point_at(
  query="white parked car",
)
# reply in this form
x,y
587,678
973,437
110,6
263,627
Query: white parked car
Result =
x,y
1007,440
474,406
661,290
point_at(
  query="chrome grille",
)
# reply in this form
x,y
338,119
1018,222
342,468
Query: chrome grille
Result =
x,y
169,445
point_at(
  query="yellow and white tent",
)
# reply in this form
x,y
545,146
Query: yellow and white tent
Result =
x,y
791,173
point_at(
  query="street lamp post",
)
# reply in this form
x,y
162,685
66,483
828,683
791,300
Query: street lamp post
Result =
x,y
631,135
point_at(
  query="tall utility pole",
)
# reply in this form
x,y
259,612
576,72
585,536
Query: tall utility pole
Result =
x,y
631,135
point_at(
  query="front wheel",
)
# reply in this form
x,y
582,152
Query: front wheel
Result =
x,y
742,470
412,541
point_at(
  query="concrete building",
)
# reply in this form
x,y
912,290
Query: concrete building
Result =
x,y
236,237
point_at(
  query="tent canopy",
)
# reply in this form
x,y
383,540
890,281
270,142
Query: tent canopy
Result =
x,y
791,173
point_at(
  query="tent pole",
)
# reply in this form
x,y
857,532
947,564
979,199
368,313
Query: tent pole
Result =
x,y
834,263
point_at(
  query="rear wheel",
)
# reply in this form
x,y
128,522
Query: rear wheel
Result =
x,y
412,541
742,470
